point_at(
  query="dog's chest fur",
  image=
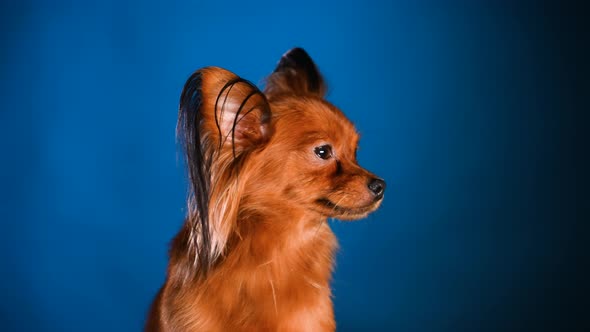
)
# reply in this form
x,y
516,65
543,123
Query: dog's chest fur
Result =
x,y
275,281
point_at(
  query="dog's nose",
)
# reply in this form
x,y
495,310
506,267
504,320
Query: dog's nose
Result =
x,y
377,187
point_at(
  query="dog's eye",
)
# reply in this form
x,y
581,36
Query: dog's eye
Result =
x,y
324,151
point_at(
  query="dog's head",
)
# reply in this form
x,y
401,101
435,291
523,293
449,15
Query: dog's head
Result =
x,y
316,144
285,146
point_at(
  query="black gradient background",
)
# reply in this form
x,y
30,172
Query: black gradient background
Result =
x,y
474,113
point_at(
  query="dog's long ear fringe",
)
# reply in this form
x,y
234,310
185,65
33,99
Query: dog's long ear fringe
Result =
x,y
199,165
218,123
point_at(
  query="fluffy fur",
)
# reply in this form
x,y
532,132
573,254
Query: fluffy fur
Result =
x,y
266,171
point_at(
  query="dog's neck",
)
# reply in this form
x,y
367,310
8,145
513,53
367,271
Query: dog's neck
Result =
x,y
278,231
278,236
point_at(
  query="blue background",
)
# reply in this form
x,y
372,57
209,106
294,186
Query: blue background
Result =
x,y
470,111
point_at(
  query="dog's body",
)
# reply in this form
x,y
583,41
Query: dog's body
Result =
x,y
267,170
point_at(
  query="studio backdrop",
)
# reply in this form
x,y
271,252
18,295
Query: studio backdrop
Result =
x,y
466,109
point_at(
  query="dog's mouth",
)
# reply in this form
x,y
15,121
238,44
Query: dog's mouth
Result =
x,y
346,213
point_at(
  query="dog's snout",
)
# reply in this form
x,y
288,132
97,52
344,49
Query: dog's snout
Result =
x,y
377,187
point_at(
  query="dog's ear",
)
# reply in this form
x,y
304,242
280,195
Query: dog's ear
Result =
x,y
225,110
296,74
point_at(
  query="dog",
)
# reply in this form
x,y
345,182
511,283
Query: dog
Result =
x,y
266,170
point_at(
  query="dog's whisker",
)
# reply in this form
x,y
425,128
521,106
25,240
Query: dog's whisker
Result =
x,y
266,263
274,296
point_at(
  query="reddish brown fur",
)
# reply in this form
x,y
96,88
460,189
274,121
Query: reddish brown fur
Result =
x,y
275,269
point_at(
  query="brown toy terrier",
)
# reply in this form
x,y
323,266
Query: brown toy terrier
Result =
x,y
266,171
